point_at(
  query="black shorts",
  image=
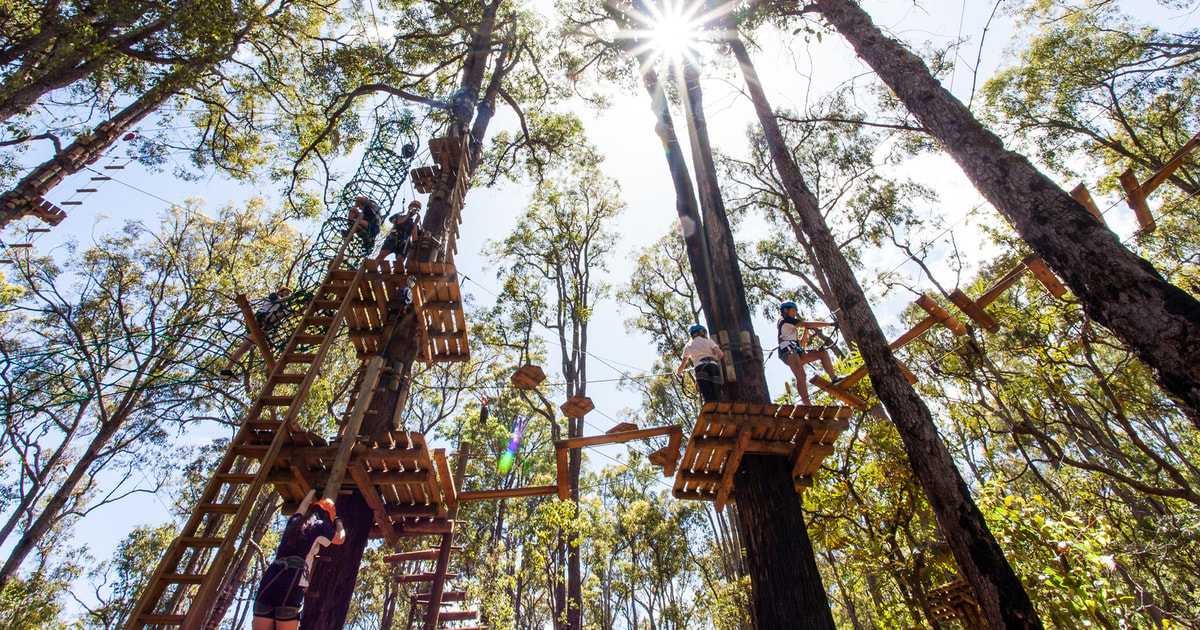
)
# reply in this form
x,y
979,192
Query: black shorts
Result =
x,y
280,596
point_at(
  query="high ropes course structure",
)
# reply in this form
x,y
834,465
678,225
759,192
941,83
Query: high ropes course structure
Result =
x,y
202,347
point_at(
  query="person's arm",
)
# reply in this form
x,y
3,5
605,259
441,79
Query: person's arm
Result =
x,y
339,532
717,351
682,364
308,499
814,324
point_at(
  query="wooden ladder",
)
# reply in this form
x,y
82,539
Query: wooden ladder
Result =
x,y
195,563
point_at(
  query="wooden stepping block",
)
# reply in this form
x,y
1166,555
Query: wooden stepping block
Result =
x,y
974,311
577,407
527,377
425,179
622,427
1080,193
838,392
447,152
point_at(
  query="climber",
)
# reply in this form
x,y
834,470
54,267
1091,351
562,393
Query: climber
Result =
x,y
793,347
705,354
365,220
281,592
267,317
404,233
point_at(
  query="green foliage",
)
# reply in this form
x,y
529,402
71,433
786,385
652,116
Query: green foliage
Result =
x,y
126,573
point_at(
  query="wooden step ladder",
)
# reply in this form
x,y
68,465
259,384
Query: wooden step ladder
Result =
x,y
192,569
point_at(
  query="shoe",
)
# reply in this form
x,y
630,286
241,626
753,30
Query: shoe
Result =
x,y
226,373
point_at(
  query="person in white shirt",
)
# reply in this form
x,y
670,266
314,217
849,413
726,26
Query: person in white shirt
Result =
x,y
705,354
793,347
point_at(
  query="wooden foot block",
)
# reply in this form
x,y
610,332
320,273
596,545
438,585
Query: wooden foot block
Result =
x,y
973,310
1043,274
839,393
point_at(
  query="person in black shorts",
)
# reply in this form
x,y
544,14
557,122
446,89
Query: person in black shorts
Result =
x,y
404,233
281,592
365,221
794,350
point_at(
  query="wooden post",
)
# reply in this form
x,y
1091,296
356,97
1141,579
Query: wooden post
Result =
x,y
256,331
350,431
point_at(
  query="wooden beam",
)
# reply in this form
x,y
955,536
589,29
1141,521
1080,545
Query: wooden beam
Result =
x,y
374,501
1136,198
617,438
256,331
731,464
1001,286
673,442
1080,193
839,393
943,316
1043,274
449,492
564,482
507,493
1172,165
758,447
972,310
349,434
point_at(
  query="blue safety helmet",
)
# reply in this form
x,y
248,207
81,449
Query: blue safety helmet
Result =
x,y
786,305
697,329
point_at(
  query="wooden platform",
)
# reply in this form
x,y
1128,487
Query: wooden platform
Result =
x,y
437,299
955,602
726,431
665,457
397,477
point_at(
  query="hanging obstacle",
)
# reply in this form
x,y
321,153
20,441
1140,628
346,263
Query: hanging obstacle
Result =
x,y
527,377
955,602
724,432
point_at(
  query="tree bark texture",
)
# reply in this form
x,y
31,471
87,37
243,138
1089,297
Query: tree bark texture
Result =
x,y
1158,321
999,591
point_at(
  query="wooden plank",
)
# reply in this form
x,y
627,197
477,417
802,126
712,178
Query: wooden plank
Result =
x,y
1043,274
758,447
972,310
839,393
374,501
616,438
1173,163
449,492
256,332
412,556
507,493
1136,198
731,464
943,316
1080,193
1001,285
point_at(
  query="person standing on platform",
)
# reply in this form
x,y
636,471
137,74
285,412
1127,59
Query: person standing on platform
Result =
x,y
280,596
705,354
404,233
793,347
365,221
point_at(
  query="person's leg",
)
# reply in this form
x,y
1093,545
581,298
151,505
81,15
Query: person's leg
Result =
x,y
706,383
241,351
793,362
263,623
826,363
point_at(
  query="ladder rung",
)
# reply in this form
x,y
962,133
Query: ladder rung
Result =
x,y
163,620
422,577
458,615
326,305
299,358
38,229
263,424
234,477
309,339
447,597
183,578
251,450
85,190
288,378
318,321
71,203
113,168
200,541
276,401
220,508
102,178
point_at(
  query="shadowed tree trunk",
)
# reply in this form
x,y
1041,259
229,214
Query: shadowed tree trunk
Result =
x,y
1001,596
1158,321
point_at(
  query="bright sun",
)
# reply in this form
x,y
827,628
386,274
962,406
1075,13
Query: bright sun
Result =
x,y
670,28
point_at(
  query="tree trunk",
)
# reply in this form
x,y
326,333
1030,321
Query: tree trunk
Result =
x,y
26,196
1158,321
336,579
786,583
1001,596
